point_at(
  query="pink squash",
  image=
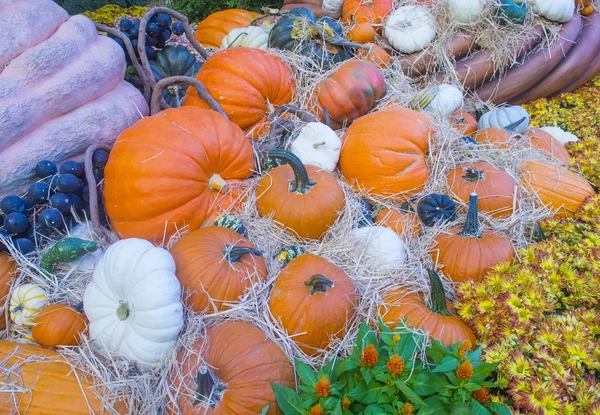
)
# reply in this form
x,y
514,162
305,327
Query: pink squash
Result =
x,y
61,91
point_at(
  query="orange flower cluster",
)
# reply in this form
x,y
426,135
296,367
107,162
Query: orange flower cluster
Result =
x,y
370,356
407,409
317,410
323,387
464,371
395,365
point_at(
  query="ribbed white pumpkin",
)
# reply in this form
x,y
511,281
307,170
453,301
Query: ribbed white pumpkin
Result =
x,y
410,28
504,117
256,37
318,145
448,99
379,247
133,302
560,11
465,11
333,8
25,301
561,135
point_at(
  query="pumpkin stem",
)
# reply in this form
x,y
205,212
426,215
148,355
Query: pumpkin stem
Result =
x,y
318,283
472,175
92,185
235,253
157,103
291,109
482,110
122,311
438,296
217,183
79,306
301,182
471,228
209,389
424,98
326,117
317,145
514,125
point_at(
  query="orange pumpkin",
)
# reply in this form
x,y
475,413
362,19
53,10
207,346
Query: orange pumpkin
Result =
x,y
215,27
541,140
166,171
217,265
588,10
7,275
585,6
376,55
384,152
558,188
497,190
362,33
464,123
351,91
366,11
468,253
304,199
316,298
315,5
399,221
497,137
44,383
238,362
248,83
436,320
58,325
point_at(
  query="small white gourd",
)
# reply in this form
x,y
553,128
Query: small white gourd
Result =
x,y
410,28
560,11
380,247
506,117
256,37
448,100
25,301
333,8
561,135
317,145
465,12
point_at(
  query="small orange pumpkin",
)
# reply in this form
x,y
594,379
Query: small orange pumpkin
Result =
x,y
366,11
558,188
314,300
588,10
304,199
217,265
498,192
437,320
58,325
249,84
362,33
215,27
7,275
464,123
155,186
468,253
384,152
497,137
546,142
238,360
376,54
351,91
399,221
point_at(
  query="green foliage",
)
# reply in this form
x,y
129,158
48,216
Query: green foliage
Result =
x,y
384,375
197,10
80,6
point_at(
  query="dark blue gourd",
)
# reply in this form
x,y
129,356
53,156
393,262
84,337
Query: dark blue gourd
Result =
x,y
435,209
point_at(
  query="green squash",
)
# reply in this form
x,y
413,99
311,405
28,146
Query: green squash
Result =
x,y
67,250
512,11
299,31
171,61
288,253
229,221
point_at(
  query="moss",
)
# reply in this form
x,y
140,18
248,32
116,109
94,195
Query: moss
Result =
x,y
81,6
197,10
108,14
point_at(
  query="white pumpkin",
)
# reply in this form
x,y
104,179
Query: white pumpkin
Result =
x,y
448,99
317,145
560,11
133,302
410,28
250,37
505,117
380,247
465,12
333,8
561,135
25,301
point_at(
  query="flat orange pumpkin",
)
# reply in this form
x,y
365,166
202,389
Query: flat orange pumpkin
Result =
x,y
215,27
166,171
399,221
546,142
58,325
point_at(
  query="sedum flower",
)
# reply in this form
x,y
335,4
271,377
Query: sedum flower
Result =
x,y
407,409
395,365
464,371
370,356
346,402
482,395
317,410
323,387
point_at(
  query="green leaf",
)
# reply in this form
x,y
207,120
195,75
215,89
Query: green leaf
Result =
x,y
374,410
406,346
498,408
474,356
365,337
483,370
425,384
366,374
338,409
434,406
437,351
478,409
410,395
471,387
448,363
368,395
289,402
265,410
305,373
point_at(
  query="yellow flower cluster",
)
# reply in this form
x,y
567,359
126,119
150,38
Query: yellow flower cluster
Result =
x,y
540,319
577,112
108,14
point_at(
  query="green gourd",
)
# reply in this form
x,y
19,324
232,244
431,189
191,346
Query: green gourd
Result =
x,y
512,11
229,221
67,250
288,253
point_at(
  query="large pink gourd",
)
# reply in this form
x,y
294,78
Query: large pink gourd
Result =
x,y
61,88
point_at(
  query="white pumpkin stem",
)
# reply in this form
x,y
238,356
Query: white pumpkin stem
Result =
x,y
122,311
317,145
217,183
